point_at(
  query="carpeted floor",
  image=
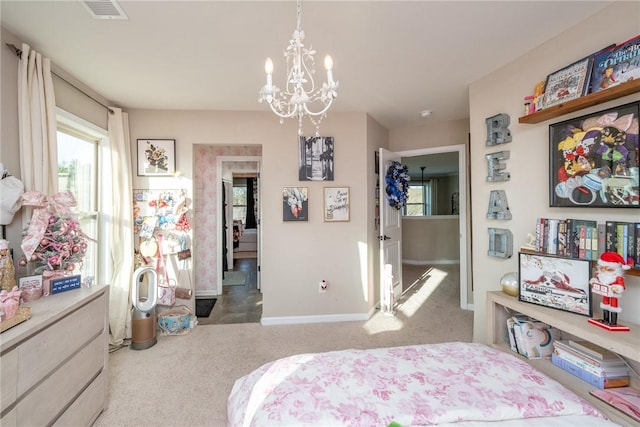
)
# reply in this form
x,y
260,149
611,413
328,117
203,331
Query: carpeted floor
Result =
x,y
200,368
204,306
234,278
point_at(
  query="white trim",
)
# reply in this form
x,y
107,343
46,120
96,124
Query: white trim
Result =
x,y
434,262
296,320
206,294
462,217
219,160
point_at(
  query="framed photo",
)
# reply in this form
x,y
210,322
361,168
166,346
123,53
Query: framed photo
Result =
x,y
568,83
295,204
561,283
315,158
156,157
336,204
594,160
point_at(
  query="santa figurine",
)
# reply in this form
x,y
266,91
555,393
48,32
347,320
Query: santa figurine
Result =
x,y
609,282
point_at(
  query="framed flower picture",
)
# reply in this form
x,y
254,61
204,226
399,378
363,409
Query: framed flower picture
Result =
x,y
156,157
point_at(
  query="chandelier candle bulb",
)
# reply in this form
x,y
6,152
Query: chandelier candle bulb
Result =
x,y
268,68
328,65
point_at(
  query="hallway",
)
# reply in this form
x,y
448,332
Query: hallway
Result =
x,y
240,303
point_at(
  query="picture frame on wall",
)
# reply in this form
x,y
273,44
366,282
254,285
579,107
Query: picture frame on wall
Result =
x,y
568,83
295,204
156,157
594,159
336,204
555,282
315,158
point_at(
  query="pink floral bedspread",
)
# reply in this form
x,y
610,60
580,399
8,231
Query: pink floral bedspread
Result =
x,y
413,385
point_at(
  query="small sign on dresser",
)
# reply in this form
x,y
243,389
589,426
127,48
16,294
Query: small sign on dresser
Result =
x,y
65,284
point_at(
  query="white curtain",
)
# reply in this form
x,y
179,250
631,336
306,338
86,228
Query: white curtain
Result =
x,y
118,210
37,124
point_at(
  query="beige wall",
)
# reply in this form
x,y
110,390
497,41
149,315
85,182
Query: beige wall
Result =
x,y
431,239
295,255
527,191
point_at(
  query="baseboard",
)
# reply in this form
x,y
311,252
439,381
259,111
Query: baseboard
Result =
x,y
294,320
434,262
206,294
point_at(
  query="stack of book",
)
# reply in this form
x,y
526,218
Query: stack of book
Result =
x,y
596,365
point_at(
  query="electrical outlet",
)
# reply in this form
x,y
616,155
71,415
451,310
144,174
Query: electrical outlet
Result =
x,y
322,286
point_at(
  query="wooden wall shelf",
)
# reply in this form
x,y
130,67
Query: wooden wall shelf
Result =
x,y
589,100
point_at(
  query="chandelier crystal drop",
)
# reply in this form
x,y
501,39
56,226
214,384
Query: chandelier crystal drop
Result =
x,y
301,97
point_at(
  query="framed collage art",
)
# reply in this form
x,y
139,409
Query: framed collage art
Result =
x,y
594,159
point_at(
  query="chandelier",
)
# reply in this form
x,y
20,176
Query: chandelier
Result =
x,y
301,97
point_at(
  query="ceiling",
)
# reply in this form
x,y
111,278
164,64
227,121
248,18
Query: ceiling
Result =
x,y
392,58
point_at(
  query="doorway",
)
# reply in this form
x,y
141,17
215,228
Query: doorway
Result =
x,y
238,288
449,204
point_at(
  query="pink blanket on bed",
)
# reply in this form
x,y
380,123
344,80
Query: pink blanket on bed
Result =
x,y
413,385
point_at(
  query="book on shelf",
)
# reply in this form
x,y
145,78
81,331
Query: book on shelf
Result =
x,y
615,65
601,382
586,239
637,258
612,361
599,371
593,350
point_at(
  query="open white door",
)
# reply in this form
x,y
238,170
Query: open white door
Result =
x,y
390,238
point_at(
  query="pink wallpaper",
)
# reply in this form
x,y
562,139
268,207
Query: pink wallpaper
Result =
x,y
206,211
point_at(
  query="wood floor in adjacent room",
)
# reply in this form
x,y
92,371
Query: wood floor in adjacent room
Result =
x,y
239,303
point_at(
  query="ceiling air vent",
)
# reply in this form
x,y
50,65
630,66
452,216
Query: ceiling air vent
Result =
x,y
105,9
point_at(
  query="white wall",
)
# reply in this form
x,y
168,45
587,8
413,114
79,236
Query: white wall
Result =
x,y
527,191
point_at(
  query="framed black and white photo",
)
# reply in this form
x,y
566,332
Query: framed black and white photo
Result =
x,y
556,282
295,204
315,158
156,157
336,204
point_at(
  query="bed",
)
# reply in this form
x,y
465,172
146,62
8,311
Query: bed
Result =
x,y
456,384
248,240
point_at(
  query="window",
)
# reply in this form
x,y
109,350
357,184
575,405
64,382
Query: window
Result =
x,y
239,202
78,173
418,200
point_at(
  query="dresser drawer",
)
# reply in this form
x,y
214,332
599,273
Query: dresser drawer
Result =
x,y
41,354
57,391
85,410
9,380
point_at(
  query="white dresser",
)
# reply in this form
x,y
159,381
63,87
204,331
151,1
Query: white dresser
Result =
x,y
54,366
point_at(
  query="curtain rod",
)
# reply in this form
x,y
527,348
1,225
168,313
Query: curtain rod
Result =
x,y
18,53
